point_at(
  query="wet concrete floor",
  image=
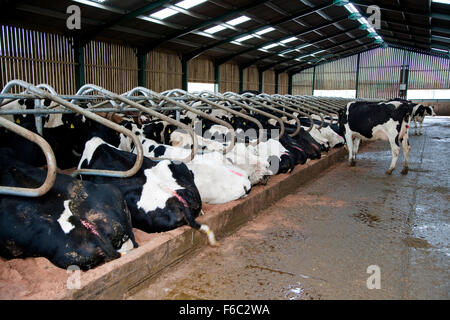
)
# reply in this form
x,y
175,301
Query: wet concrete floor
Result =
x,y
318,242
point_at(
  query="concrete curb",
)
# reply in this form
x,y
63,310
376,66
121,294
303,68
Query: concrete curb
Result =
x,y
127,275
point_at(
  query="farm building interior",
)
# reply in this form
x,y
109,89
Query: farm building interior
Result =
x,y
253,146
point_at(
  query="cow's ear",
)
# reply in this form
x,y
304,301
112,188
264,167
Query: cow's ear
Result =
x,y
21,101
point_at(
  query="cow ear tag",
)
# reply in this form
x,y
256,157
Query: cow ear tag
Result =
x,y
18,120
72,126
169,130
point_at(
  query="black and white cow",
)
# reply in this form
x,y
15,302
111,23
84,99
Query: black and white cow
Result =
x,y
161,196
419,114
387,121
75,223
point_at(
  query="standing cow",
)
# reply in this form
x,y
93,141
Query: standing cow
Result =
x,y
419,113
387,121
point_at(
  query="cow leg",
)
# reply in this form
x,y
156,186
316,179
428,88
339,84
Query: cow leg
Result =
x,y
395,149
415,128
406,149
349,139
420,130
356,142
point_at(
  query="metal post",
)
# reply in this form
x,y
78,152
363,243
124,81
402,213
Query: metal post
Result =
x,y
290,83
184,77
357,75
261,79
141,68
241,79
79,62
313,80
277,74
216,77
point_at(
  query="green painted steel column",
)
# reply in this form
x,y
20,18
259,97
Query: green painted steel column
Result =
x,y
261,79
184,77
241,79
142,81
313,80
79,63
290,83
357,75
216,77
277,74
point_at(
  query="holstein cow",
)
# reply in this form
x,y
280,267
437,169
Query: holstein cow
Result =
x,y
419,113
75,223
161,196
372,121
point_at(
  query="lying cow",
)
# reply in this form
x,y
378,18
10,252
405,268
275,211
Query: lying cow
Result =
x,y
75,223
161,196
372,121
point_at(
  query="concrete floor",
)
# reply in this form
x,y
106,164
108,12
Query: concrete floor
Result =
x,y
318,242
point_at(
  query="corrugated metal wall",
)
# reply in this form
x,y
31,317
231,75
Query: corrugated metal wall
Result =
x,y
302,82
337,75
379,74
427,72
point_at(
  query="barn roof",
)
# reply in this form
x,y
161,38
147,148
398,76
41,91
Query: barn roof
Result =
x,y
286,35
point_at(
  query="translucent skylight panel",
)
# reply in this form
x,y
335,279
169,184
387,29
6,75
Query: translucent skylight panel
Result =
x,y
215,29
238,20
271,46
164,13
442,1
289,40
244,38
264,31
187,4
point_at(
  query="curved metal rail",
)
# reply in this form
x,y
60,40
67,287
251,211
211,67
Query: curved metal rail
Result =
x,y
226,95
175,92
110,173
246,96
200,96
49,157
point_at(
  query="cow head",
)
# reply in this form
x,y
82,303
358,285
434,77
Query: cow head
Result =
x,y
429,110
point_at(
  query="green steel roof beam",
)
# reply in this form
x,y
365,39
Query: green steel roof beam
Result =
x,y
154,44
260,46
199,51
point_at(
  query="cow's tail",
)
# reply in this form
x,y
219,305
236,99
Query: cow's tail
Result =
x,y
201,227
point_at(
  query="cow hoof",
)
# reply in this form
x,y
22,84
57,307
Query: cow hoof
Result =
x,y
389,172
352,163
405,170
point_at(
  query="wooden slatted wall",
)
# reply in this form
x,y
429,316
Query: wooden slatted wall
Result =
x,y
163,70
283,83
201,69
112,66
269,82
229,77
251,79
36,57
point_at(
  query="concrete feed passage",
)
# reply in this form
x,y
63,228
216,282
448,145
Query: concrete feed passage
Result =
x,y
318,242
